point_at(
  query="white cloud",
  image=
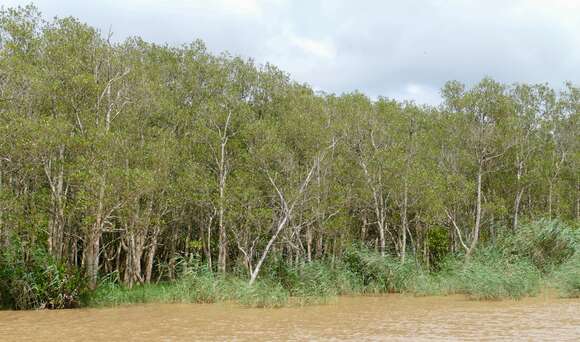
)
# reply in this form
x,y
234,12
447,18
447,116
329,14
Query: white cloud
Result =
x,y
245,7
314,48
398,49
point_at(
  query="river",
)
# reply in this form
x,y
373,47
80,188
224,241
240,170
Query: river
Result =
x,y
392,317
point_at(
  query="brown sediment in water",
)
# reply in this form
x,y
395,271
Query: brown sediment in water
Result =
x,y
391,317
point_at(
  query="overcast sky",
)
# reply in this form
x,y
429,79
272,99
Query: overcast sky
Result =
x,y
403,49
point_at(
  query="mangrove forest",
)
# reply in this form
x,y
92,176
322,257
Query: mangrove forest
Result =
x,y
137,172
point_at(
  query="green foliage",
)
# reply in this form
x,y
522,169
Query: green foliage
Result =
x,y
379,274
262,294
567,277
546,243
438,243
316,282
491,276
488,275
31,279
154,161
194,288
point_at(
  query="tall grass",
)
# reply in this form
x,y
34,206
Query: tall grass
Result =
x,y
31,279
512,268
195,285
492,276
486,276
545,243
377,273
567,278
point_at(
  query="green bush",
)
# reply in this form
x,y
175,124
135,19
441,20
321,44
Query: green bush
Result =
x,y
262,294
488,275
201,286
379,274
316,283
437,240
31,279
492,277
546,243
568,277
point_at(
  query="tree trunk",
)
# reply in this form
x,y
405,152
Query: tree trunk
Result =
x,y
258,266
550,186
517,202
151,255
92,245
92,257
287,212
577,198
404,223
309,243
475,237
57,220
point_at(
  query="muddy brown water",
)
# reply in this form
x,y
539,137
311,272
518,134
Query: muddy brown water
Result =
x,y
392,317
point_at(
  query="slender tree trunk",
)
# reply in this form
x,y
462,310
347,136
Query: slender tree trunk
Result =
x,y
92,245
475,237
382,240
517,202
208,243
519,191
404,223
319,245
258,266
550,186
287,213
57,220
363,233
3,231
223,242
92,257
379,206
577,198
309,243
223,172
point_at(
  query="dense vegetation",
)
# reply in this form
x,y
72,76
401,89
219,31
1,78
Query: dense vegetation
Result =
x,y
201,178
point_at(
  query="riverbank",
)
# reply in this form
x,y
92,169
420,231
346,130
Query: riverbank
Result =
x,y
392,317
487,276
542,255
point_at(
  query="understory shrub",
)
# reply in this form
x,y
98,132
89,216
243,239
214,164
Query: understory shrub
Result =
x,y
377,273
568,277
31,279
492,276
546,243
488,275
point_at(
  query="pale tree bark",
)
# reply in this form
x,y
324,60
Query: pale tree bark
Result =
x,y
286,211
457,230
207,242
404,223
3,232
577,197
519,191
524,151
517,203
552,179
113,107
151,254
477,225
93,240
379,205
223,172
58,199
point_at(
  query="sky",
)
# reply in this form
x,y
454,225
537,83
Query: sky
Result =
x,y
405,49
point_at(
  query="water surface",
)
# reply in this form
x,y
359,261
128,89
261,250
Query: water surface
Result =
x,y
392,317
